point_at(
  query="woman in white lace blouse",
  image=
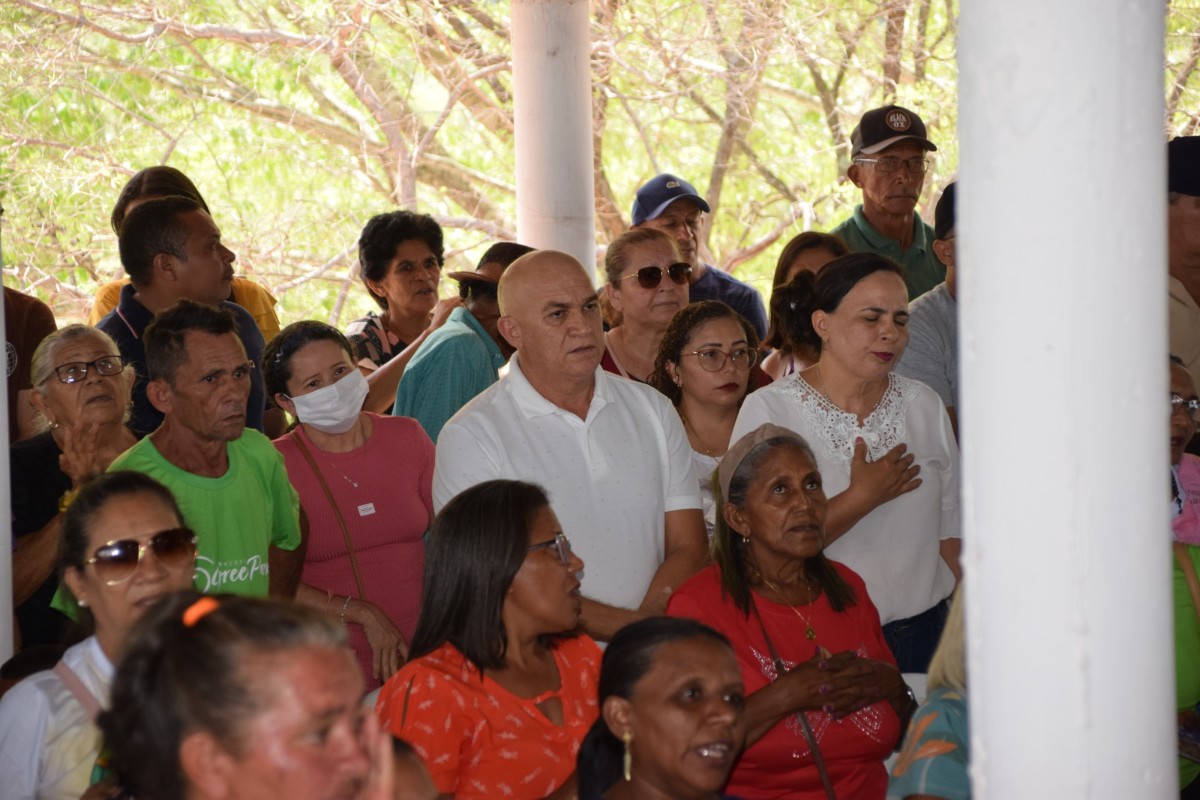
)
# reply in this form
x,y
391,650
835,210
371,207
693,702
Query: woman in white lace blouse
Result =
x,y
884,447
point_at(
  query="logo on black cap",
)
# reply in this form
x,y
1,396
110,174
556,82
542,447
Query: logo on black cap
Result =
x,y
897,120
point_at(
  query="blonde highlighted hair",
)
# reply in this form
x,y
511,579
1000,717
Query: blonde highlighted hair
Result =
x,y
948,668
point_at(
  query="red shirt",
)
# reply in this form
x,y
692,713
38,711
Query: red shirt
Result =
x,y
780,764
478,739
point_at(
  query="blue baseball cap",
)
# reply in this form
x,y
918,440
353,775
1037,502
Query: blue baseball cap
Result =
x,y
659,192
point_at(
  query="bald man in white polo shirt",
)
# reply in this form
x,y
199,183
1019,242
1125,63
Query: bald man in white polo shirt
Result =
x,y
611,453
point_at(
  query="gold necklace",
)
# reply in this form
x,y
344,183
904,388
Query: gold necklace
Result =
x,y
809,633
687,426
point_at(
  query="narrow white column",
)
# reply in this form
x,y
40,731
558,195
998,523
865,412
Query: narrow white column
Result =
x,y
6,534
552,96
1061,235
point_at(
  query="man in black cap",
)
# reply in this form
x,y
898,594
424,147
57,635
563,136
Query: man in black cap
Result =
x,y
464,356
673,206
1183,248
932,352
889,162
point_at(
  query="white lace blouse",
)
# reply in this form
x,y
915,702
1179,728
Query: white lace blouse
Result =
x,y
895,547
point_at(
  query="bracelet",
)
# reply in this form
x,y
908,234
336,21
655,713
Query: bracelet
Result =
x,y
345,605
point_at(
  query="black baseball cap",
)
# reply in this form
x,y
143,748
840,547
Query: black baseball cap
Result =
x,y
881,128
943,213
659,192
1183,165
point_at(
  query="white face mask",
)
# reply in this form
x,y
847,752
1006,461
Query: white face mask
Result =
x,y
333,408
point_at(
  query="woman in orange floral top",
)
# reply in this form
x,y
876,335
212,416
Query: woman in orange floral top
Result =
x,y
497,696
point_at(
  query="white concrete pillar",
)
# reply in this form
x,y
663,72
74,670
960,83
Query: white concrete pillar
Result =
x,y
1062,298
6,534
552,98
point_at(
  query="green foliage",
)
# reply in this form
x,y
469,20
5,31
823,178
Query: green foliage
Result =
x,y
299,119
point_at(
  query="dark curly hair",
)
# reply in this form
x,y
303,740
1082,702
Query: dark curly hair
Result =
x,y
383,233
680,330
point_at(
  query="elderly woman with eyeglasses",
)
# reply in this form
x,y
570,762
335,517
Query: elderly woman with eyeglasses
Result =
x,y
498,694
124,546
704,365
647,282
81,390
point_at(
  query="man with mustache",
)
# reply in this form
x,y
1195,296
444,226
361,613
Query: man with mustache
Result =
x,y
171,249
889,162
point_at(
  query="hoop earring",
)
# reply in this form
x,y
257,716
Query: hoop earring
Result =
x,y
627,759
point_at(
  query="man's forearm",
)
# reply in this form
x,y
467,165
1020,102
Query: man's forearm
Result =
x,y
601,621
285,567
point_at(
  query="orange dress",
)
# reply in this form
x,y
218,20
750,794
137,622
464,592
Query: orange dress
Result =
x,y
478,739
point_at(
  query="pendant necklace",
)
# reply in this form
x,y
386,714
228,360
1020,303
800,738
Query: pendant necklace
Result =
x,y
809,633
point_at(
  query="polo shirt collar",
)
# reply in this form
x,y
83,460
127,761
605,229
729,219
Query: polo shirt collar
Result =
x,y
465,317
880,243
531,403
131,311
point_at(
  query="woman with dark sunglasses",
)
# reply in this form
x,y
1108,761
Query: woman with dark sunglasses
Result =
x,y
497,695
704,367
647,282
81,393
123,546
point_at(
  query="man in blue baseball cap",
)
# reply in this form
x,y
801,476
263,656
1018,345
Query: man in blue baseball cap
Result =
x,y
673,205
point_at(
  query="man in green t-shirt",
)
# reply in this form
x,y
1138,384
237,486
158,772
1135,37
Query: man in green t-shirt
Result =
x,y
229,480
888,162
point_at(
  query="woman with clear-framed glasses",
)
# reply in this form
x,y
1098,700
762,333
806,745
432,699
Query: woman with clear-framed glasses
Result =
x,y
646,283
81,390
124,546
498,692
703,366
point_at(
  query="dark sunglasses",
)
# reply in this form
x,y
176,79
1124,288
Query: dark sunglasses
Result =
x,y
116,561
651,277
560,543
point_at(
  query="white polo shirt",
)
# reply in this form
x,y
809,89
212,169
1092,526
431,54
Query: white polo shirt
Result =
x,y
611,477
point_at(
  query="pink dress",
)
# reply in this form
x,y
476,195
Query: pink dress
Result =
x,y
383,490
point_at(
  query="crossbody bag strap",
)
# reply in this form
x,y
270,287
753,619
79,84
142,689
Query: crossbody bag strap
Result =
x,y
362,594
77,689
780,671
1189,572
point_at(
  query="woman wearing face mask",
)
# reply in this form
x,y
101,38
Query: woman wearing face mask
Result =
x,y
364,482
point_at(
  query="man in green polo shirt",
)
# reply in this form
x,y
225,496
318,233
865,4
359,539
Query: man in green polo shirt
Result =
x,y
889,162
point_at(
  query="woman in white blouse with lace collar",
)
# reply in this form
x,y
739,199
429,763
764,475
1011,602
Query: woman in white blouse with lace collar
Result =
x,y
884,446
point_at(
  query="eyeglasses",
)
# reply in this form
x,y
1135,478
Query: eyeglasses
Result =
x,y
916,165
713,359
116,561
560,543
651,277
1191,406
78,370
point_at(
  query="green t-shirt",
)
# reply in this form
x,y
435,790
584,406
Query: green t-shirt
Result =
x,y
922,270
1187,653
236,517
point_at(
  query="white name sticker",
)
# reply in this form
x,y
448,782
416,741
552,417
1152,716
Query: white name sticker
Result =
x,y
366,509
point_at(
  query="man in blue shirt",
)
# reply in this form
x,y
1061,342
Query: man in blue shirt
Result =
x,y
888,162
672,205
462,357
171,249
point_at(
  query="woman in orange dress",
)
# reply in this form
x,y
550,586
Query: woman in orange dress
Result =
x,y
497,695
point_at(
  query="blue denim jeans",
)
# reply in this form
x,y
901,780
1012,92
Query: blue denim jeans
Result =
x,y
913,640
